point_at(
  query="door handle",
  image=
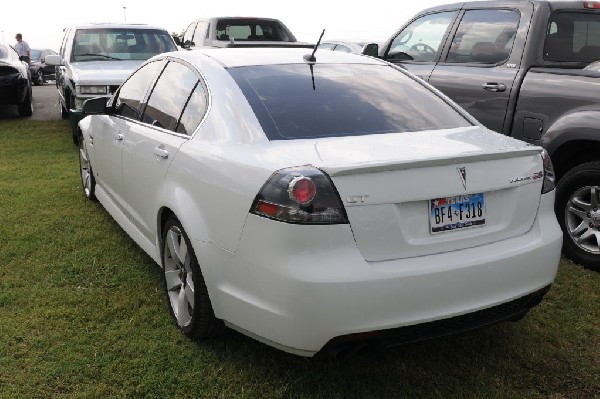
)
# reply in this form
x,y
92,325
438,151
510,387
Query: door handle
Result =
x,y
495,87
161,152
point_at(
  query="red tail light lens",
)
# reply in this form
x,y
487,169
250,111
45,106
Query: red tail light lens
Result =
x,y
302,190
591,4
303,195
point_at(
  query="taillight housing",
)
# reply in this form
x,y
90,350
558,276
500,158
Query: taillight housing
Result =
x,y
549,177
591,4
300,195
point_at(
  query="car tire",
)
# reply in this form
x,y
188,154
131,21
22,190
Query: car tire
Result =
x,y
39,78
577,208
25,108
184,285
85,171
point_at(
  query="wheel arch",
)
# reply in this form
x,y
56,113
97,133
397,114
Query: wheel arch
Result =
x,y
574,153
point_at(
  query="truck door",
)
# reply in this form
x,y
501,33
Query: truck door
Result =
x,y
417,46
480,64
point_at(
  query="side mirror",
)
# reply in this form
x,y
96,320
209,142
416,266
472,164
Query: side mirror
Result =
x,y
95,106
54,60
187,44
371,49
25,58
178,40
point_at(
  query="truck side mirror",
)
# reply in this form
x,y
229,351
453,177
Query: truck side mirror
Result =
x,y
54,60
371,49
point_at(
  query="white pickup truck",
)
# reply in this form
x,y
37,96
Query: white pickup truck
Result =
x,y
95,59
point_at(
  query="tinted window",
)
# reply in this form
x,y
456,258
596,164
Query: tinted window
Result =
x,y
484,37
120,44
170,95
573,37
250,29
194,110
421,40
35,55
133,91
297,101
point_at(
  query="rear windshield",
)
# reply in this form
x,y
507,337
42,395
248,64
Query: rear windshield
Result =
x,y
120,44
245,29
302,101
573,36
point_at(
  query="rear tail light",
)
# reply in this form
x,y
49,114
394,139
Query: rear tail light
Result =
x,y
549,178
591,4
302,195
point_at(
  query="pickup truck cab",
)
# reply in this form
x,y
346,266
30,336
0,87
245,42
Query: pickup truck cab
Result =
x,y
239,32
95,59
519,67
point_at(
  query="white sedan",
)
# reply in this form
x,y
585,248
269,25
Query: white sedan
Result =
x,y
319,203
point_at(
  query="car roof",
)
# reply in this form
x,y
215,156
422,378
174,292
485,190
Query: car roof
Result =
x,y
237,57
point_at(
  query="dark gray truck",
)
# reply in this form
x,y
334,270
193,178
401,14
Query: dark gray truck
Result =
x,y
238,32
519,67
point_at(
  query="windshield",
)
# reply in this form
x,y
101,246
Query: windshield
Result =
x,y
332,100
120,44
35,55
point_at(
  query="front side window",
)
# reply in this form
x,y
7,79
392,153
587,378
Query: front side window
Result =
x,y
333,100
170,95
421,40
120,44
484,37
128,102
573,36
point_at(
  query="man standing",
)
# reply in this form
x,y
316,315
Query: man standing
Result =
x,y
22,47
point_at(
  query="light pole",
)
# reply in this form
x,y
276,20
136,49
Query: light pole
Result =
x,y
124,14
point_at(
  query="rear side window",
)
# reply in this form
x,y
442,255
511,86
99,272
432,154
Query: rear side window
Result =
x,y
573,36
333,100
484,37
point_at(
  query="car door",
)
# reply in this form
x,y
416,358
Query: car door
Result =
x,y
150,146
109,137
419,44
480,67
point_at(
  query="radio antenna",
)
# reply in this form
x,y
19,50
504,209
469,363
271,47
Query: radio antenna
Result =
x,y
311,57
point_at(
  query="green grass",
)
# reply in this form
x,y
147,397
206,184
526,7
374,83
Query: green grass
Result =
x,y
82,315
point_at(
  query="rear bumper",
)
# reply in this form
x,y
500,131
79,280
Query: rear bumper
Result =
x,y
300,287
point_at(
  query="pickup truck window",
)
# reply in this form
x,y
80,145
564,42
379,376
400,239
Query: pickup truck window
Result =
x,y
573,36
420,41
253,29
484,37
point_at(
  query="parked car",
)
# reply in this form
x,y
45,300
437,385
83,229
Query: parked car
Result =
x,y
15,85
519,67
344,46
310,209
95,59
239,32
40,72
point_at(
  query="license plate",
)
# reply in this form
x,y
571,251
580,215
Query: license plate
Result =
x,y
454,213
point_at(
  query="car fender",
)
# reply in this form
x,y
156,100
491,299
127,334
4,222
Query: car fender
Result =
x,y
573,126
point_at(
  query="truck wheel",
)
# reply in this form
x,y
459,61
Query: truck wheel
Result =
x,y
578,211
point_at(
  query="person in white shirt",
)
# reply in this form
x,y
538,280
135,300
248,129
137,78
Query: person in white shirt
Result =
x,y
22,47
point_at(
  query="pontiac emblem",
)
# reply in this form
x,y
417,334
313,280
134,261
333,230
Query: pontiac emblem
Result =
x,y
462,172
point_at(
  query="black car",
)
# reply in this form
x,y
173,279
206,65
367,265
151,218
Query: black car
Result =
x,y
15,84
40,72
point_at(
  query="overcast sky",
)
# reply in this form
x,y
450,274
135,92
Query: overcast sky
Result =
x,y
41,23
